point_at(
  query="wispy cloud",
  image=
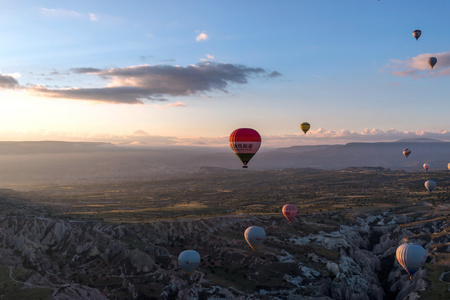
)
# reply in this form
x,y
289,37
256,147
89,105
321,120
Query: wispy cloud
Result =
x,y
208,58
274,74
417,67
60,13
176,104
135,84
64,13
202,37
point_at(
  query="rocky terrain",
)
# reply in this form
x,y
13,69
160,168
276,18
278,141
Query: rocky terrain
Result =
x,y
334,254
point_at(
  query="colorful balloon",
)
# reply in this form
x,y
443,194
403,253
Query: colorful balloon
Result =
x,y
411,257
448,166
290,211
430,185
406,152
416,33
245,142
255,236
426,166
305,126
189,260
432,61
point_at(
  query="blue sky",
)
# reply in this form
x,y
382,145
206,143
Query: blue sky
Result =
x,y
190,72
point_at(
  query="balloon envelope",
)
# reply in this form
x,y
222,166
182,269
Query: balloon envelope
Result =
x,y
406,152
432,61
245,142
426,166
416,33
430,185
448,166
189,260
255,236
411,257
305,126
290,211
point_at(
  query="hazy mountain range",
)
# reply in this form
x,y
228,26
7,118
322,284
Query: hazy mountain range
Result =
x,y
50,161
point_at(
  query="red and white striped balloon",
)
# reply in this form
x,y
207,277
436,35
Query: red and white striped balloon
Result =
x,y
290,211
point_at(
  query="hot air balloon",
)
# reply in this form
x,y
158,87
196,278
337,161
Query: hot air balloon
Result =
x,y
245,142
189,260
406,152
430,185
432,61
448,166
290,211
305,127
254,236
426,166
417,33
411,257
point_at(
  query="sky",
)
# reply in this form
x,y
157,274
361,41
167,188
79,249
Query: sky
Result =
x,y
161,73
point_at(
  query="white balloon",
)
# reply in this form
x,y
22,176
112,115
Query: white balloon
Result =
x,y
255,236
189,260
411,257
430,185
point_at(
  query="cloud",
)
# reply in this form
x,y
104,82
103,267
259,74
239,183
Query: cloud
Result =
x,y
8,82
140,132
323,136
274,74
64,13
130,95
417,67
60,13
176,104
93,17
202,37
86,70
208,58
135,84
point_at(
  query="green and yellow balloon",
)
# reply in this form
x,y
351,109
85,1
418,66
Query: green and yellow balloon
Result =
x,y
305,127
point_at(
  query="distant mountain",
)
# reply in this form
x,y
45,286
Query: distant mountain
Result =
x,y
32,147
57,162
420,140
334,157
